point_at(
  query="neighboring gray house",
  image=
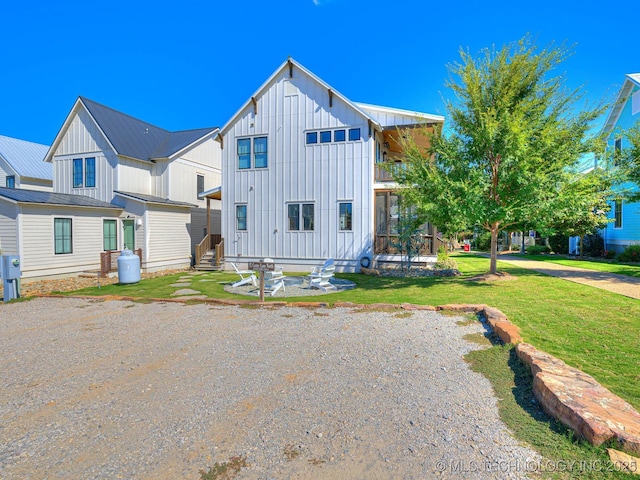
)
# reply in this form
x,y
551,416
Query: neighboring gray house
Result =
x,y
118,181
22,165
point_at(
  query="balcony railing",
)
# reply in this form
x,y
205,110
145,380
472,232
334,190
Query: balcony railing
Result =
x,y
383,174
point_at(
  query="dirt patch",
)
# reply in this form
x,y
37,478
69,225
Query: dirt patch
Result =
x,y
492,277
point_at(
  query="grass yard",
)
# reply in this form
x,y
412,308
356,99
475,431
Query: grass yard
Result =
x,y
598,265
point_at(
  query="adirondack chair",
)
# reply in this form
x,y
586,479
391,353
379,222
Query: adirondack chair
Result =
x,y
321,275
246,276
273,281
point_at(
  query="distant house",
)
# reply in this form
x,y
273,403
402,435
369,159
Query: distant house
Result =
x,y
625,228
22,165
117,182
302,176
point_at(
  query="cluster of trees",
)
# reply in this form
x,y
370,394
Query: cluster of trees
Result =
x,y
510,159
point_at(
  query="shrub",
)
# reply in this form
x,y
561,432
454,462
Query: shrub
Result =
x,y
593,245
483,241
630,254
559,243
444,261
537,249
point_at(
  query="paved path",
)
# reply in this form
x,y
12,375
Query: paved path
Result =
x,y
621,284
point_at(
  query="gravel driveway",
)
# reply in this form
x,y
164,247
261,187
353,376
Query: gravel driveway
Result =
x,y
113,389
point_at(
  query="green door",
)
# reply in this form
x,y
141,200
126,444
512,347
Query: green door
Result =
x,y
129,227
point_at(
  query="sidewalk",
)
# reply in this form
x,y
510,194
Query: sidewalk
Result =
x,y
620,284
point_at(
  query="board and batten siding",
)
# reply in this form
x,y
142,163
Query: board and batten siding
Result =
x,y
8,228
38,252
322,174
168,239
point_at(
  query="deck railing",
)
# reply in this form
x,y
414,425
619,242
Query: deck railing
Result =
x,y
219,251
207,243
387,244
109,260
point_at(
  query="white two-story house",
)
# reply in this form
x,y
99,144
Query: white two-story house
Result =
x,y
117,182
22,165
302,178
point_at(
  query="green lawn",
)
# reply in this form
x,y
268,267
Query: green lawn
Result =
x,y
593,330
599,265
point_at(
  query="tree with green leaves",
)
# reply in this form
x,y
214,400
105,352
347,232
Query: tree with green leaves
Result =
x,y
629,160
513,133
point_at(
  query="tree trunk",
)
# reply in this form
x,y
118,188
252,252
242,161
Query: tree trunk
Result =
x,y
494,248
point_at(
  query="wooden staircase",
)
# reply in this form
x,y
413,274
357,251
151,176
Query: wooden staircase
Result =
x,y
210,254
208,262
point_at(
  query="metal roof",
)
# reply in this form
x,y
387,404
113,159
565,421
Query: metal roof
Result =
x,y
214,193
21,195
151,199
26,158
138,139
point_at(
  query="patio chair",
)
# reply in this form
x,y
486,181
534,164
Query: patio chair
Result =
x,y
321,275
246,276
273,281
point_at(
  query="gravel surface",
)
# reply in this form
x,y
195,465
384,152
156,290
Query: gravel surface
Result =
x,y
113,389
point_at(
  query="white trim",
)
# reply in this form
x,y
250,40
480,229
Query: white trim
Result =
x,y
399,111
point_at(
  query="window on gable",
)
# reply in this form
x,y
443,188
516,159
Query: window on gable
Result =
x,y
241,217
199,186
312,137
62,235
244,153
354,134
260,152
325,137
77,173
617,213
10,181
109,235
345,215
90,172
339,136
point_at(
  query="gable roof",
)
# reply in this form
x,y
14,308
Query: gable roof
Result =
x,y
632,80
26,158
134,138
152,199
290,63
20,195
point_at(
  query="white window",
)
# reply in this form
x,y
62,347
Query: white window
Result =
x,y
300,216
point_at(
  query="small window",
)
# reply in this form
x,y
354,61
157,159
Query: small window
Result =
x,y
241,217
260,152
90,172
244,153
325,137
307,216
10,181
345,216
293,214
199,185
77,173
62,235
109,235
354,134
617,151
312,137
339,136
618,214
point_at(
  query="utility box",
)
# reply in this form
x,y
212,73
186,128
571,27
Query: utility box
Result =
x,y
11,276
10,267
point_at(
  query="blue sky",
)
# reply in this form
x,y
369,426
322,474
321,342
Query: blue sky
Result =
x,y
182,65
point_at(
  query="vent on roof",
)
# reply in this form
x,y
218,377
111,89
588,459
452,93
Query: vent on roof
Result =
x,y
290,88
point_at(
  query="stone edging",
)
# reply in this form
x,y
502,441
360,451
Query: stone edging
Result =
x,y
565,393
